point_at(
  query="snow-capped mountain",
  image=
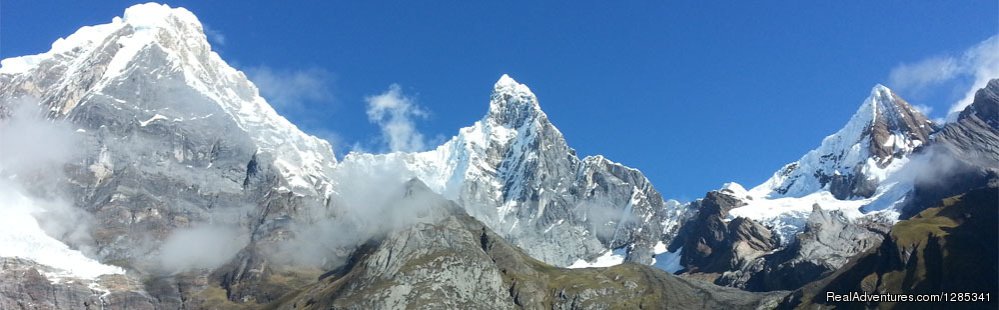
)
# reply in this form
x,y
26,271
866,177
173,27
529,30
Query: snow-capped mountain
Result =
x,y
153,67
170,138
851,169
852,162
835,202
514,171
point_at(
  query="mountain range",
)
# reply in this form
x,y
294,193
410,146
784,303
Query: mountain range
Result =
x,y
167,182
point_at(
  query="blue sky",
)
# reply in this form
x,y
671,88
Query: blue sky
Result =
x,y
693,93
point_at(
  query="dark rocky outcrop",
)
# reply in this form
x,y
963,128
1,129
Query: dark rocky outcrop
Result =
x,y
856,184
895,117
712,244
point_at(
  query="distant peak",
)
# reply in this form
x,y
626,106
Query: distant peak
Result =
x,y
879,88
882,102
508,84
881,93
512,103
153,15
505,80
884,128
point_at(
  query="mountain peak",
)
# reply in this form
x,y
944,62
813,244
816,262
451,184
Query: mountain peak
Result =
x,y
507,84
138,26
155,15
879,88
885,127
985,106
504,80
512,103
895,127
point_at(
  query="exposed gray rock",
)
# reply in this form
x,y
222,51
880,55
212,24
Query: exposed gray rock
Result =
x,y
962,155
827,243
23,286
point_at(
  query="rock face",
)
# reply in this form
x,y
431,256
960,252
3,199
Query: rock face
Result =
x,y
713,245
24,286
458,262
514,171
947,248
849,162
963,154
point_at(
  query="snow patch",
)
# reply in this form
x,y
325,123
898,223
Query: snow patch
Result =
x,y
665,260
21,236
151,119
610,258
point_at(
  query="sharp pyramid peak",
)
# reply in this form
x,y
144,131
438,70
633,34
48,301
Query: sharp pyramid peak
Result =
x,y
512,103
880,88
884,105
883,128
508,85
504,80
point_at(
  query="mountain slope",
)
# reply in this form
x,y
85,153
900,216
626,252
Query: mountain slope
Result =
x,y
474,267
963,154
948,248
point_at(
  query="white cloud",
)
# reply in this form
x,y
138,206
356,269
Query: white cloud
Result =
x,y
394,113
977,64
922,108
204,247
925,73
214,36
299,95
982,61
334,138
291,90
